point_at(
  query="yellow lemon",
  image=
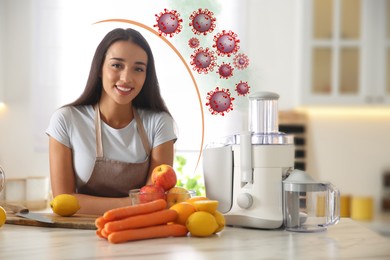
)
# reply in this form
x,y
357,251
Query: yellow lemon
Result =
x,y
65,205
206,205
196,198
201,224
220,218
3,216
184,210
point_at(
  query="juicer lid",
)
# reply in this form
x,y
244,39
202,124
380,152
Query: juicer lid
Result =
x,y
256,139
263,95
300,181
299,177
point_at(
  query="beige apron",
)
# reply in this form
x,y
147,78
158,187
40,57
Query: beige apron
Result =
x,y
112,178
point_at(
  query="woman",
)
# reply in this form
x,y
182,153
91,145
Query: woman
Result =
x,y
110,139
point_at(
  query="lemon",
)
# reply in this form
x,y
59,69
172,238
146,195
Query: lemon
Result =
x,y
206,205
220,218
65,205
196,198
3,216
201,224
184,210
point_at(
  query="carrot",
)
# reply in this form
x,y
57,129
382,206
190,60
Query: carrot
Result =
x,y
100,222
159,231
104,233
139,221
99,233
127,211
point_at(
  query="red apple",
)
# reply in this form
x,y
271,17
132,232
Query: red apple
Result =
x,y
164,176
151,192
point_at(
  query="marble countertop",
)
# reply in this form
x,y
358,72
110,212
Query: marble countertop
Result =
x,y
346,240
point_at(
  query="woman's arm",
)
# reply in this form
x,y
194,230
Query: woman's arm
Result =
x,y
162,154
63,181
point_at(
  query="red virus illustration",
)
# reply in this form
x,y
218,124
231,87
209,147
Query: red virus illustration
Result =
x,y
241,61
226,43
242,88
203,60
193,42
219,101
225,70
168,22
202,21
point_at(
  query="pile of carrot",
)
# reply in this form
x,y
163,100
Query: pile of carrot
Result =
x,y
137,222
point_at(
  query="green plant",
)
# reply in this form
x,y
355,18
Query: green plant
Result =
x,y
190,182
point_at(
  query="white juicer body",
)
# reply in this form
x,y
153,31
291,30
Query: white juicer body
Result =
x,y
256,203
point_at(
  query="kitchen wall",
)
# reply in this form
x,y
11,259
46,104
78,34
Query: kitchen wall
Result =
x,y
350,148
17,154
347,147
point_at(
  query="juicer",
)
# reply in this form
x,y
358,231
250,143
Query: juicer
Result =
x,y
244,171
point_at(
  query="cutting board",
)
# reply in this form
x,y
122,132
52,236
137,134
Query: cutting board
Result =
x,y
77,221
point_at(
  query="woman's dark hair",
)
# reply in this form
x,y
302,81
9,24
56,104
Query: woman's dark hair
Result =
x,y
149,97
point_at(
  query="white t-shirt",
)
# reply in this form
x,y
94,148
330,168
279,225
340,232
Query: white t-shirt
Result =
x,y
74,127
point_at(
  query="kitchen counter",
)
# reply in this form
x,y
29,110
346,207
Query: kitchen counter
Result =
x,y
346,240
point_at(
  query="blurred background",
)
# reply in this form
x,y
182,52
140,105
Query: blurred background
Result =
x,y
329,60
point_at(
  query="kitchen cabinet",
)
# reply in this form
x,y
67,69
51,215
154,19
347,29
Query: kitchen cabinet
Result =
x,y
346,52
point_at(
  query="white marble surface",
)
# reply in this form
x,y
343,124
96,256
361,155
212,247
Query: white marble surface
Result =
x,y
346,240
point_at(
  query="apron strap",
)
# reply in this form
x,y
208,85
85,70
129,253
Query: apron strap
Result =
x,y
98,128
141,132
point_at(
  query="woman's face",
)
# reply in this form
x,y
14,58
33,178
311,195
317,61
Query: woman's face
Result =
x,y
123,72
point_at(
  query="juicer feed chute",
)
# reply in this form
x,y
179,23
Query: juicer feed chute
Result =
x,y
263,113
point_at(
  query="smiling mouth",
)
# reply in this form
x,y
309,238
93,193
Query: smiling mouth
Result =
x,y
123,89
